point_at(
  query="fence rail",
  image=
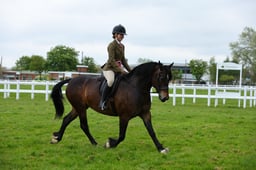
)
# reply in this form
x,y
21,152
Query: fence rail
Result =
x,y
213,92
7,87
194,92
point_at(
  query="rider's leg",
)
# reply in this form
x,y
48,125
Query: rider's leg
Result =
x,y
110,77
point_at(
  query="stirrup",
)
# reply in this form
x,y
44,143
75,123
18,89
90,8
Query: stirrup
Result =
x,y
103,106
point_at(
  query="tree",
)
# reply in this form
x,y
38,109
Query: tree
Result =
x,y
212,69
143,60
198,68
23,63
244,51
37,63
89,61
226,79
176,74
62,58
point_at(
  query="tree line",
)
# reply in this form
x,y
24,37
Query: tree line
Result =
x,y
59,58
63,58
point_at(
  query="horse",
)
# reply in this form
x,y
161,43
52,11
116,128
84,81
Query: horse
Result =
x,y
131,99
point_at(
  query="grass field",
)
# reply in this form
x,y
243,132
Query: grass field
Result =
x,y
199,137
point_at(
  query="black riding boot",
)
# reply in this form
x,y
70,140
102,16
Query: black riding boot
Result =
x,y
104,97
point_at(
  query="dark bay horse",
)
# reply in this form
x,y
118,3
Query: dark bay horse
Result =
x,y
131,99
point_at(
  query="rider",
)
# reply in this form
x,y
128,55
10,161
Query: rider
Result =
x,y
116,62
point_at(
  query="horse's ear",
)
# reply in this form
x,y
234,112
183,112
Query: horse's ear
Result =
x,y
161,65
171,64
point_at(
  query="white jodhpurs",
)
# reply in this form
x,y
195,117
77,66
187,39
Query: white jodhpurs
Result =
x,y
110,77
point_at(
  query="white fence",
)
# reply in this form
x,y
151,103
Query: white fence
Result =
x,y
213,92
7,87
194,92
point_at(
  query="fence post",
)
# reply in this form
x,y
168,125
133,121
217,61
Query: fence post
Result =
x,y
5,89
224,99
32,90
216,98
255,97
250,90
194,95
46,90
183,94
209,96
245,95
174,95
18,90
239,100
8,88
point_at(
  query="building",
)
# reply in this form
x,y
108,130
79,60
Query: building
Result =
x,y
19,75
51,75
61,75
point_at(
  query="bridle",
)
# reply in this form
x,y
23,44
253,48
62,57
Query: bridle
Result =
x,y
162,76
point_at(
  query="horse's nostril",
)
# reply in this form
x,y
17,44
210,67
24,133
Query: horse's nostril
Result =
x,y
163,99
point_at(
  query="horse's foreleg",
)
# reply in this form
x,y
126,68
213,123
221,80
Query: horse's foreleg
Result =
x,y
57,136
85,128
112,143
147,122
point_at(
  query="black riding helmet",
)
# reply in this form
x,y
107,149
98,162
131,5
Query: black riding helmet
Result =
x,y
119,29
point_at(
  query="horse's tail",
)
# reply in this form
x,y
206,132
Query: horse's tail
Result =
x,y
57,97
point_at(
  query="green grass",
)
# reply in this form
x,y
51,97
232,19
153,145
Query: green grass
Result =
x,y
199,137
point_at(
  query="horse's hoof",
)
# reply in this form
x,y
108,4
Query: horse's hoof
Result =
x,y
164,151
107,145
54,140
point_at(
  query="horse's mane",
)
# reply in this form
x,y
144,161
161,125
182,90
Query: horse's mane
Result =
x,y
145,70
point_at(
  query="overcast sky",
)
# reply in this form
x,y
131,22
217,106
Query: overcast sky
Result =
x,y
165,30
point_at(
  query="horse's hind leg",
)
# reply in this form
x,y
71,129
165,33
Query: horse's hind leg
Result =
x,y
84,126
57,136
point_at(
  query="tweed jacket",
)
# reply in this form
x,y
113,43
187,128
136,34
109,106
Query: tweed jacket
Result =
x,y
116,54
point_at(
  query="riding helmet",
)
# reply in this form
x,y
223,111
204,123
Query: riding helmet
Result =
x,y
119,29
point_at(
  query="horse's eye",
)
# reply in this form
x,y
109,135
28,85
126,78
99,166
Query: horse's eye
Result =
x,y
163,76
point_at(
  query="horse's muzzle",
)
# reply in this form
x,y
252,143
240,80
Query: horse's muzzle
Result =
x,y
163,96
